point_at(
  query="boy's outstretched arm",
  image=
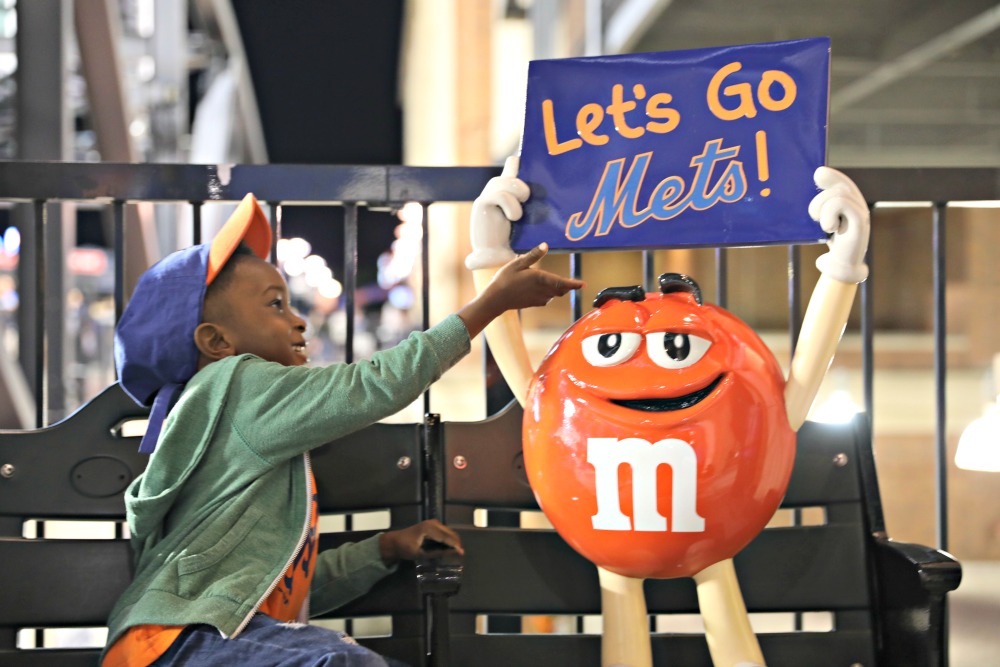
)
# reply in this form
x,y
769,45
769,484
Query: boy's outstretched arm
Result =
x,y
518,284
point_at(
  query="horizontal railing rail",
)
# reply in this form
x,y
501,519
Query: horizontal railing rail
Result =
x,y
298,183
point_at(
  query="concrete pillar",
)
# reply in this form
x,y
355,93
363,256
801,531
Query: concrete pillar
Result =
x,y
429,82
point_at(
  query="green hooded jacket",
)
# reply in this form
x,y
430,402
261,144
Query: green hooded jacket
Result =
x,y
223,508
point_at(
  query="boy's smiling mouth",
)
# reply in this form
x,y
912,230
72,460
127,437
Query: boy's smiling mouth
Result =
x,y
300,348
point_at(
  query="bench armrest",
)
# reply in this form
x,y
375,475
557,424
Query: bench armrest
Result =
x,y
912,583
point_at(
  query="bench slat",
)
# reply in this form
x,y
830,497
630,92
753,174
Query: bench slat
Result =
x,y
62,582
494,477
815,649
363,471
820,567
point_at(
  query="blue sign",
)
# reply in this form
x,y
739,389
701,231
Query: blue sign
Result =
x,y
706,147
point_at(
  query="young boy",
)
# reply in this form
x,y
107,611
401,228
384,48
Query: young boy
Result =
x,y
223,521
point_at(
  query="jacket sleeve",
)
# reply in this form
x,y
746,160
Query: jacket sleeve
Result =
x,y
280,412
345,573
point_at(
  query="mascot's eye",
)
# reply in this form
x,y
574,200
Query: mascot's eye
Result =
x,y
676,350
610,349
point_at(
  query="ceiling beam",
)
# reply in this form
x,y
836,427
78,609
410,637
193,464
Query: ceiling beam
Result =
x,y
915,59
220,16
952,69
912,116
859,155
629,22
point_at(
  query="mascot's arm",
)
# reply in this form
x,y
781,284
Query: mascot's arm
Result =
x,y
841,211
492,212
626,627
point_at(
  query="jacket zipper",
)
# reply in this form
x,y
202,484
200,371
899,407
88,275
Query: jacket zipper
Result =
x,y
291,559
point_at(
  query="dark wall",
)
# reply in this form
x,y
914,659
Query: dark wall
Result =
x,y
325,74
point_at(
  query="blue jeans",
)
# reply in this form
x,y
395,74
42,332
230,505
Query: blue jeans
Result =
x,y
267,643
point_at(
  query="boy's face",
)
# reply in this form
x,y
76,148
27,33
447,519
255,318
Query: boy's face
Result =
x,y
253,313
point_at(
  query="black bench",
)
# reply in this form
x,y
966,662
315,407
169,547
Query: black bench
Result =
x,y
879,602
882,601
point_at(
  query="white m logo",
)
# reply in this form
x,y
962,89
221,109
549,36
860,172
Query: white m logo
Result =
x,y
607,454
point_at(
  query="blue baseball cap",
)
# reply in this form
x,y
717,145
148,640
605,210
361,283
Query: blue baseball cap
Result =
x,y
155,352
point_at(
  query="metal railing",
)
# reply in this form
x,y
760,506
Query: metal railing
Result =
x,y
37,184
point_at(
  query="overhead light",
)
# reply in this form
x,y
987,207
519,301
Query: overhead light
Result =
x,y
839,408
979,446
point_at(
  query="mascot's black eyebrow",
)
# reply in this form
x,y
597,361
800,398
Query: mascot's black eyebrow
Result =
x,y
678,282
634,293
669,282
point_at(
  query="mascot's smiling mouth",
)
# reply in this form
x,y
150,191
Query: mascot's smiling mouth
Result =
x,y
666,404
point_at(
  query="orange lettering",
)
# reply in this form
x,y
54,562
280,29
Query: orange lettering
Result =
x,y
551,141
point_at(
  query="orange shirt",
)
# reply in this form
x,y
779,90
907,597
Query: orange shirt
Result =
x,y
141,645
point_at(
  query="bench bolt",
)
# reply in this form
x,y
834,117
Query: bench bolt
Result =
x,y
404,462
460,462
7,470
840,460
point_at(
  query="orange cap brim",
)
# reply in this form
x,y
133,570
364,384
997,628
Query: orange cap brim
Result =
x,y
247,224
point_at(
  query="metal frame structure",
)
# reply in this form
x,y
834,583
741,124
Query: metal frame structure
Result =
x,y
39,183
353,187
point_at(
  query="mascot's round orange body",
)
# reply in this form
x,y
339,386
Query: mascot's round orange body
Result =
x,y
655,433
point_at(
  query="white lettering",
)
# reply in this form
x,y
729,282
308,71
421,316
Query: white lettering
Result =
x,y
608,454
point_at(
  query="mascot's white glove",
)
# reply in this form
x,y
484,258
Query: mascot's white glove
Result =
x,y
841,210
494,209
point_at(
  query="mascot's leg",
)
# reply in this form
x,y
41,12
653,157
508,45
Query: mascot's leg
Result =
x,y
727,627
625,642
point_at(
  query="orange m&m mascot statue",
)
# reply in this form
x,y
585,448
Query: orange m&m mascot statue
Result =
x,y
659,431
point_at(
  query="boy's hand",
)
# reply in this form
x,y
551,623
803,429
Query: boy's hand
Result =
x,y
518,284
427,538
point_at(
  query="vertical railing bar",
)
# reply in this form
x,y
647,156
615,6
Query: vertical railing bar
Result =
x,y
275,220
350,291
648,271
868,337
794,296
794,325
722,277
425,267
436,605
576,271
118,214
940,371
350,275
425,281
42,338
195,221
940,394
118,219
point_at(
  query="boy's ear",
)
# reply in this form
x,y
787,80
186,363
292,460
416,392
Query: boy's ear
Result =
x,y
213,342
